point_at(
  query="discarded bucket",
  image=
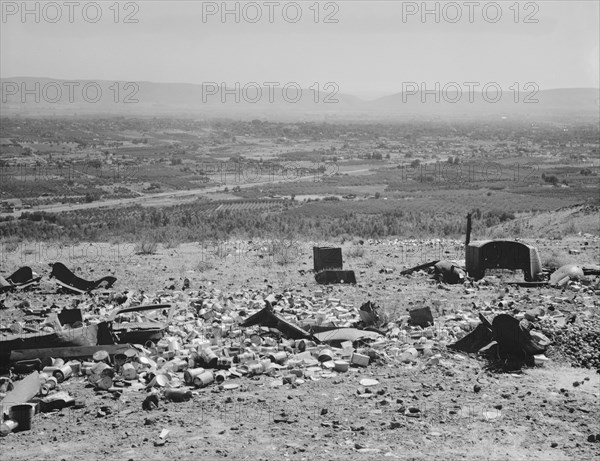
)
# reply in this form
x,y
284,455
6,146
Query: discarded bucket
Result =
x,y
204,379
341,366
325,355
22,415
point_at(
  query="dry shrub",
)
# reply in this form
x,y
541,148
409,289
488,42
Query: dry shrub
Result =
x,y
356,251
146,247
555,258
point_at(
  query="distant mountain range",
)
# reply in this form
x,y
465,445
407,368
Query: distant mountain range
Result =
x,y
29,96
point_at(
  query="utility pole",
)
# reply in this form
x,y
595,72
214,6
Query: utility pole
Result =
x,y
468,238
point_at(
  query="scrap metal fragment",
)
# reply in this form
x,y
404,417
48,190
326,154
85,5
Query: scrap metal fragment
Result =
x,y
69,280
266,317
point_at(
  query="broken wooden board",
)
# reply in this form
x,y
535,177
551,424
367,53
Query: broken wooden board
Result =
x,y
419,267
66,352
22,392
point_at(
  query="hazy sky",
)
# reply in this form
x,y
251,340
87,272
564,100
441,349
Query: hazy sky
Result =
x,y
371,50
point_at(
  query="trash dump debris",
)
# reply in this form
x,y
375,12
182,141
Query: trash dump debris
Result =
x,y
448,272
328,266
173,346
68,280
566,273
505,340
19,280
503,254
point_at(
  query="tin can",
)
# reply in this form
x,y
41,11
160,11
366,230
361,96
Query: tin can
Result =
x,y
22,415
245,357
48,385
178,395
289,379
224,363
176,365
255,369
209,358
325,355
129,372
101,356
173,345
62,373
86,367
7,427
278,357
204,379
221,376
267,349
75,366
131,353
103,369
120,359
190,374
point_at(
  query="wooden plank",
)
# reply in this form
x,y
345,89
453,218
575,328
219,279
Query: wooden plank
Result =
x,y
418,268
22,392
66,352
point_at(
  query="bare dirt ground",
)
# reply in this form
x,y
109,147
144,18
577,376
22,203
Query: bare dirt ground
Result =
x,y
453,410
